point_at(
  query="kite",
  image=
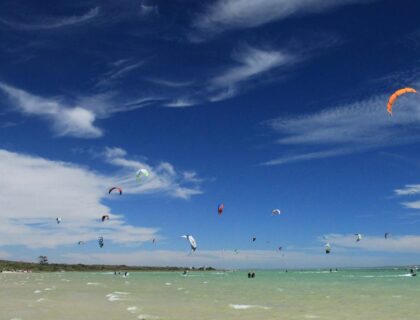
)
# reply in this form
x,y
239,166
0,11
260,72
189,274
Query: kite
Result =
x,y
327,248
115,188
192,241
105,217
58,219
140,173
276,212
220,208
254,238
396,95
80,242
101,242
386,235
358,237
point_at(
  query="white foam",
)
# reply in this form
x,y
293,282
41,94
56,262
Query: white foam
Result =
x,y
37,291
146,316
40,300
311,316
116,296
49,289
113,297
132,309
168,284
247,306
93,284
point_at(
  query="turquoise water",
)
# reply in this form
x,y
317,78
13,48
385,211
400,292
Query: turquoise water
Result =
x,y
346,294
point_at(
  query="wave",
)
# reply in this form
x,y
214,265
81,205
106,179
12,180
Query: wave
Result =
x,y
247,306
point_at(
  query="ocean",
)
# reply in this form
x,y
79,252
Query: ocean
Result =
x,y
310,294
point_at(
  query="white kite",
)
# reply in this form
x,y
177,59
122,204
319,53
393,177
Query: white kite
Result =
x,y
141,173
192,241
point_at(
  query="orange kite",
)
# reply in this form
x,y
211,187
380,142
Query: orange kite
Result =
x,y
395,96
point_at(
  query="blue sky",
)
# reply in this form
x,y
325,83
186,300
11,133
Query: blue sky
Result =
x,y
258,105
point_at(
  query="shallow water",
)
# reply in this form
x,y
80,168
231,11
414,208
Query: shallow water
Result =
x,y
347,294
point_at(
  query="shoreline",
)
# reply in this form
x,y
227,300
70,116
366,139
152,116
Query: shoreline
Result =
x,y
7,266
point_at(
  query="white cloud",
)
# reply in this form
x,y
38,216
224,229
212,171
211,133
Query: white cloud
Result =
x,y
181,103
119,69
146,9
39,190
251,63
356,127
55,23
67,121
225,15
412,204
395,244
308,156
170,83
76,119
410,189
162,177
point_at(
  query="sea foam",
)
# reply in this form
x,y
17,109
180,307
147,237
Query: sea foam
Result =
x,y
247,306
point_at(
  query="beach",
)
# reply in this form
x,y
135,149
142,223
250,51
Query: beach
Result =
x,y
275,294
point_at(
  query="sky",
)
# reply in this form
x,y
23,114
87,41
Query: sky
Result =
x,y
257,105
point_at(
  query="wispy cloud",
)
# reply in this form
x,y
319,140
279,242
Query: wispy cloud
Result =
x,y
118,70
78,117
54,23
251,63
410,190
163,177
355,127
223,15
66,120
39,190
170,83
396,244
148,9
182,103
